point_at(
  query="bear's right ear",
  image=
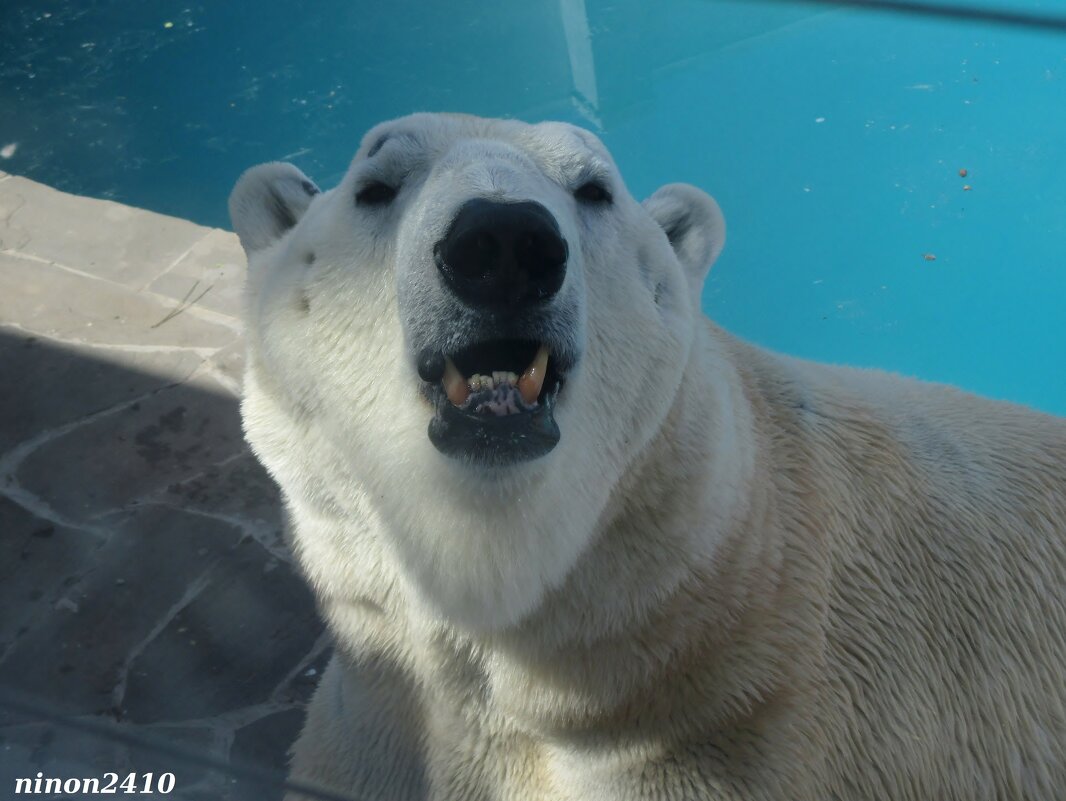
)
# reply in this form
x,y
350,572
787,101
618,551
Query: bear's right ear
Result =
x,y
694,225
267,201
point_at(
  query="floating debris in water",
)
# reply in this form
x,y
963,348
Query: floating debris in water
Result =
x,y
929,256
168,24
966,188
7,151
963,173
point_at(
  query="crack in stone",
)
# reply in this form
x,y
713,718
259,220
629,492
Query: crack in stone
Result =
x,y
154,498
10,461
176,261
7,222
222,739
192,591
261,534
16,253
212,369
14,211
207,315
13,459
323,643
232,720
123,735
203,353
248,529
13,492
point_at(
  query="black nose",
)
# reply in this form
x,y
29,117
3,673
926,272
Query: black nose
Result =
x,y
502,254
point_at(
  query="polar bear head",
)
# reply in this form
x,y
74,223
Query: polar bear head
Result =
x,y
468,341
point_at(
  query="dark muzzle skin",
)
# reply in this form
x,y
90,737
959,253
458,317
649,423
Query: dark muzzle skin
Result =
x,y
494,441
498,256
506,261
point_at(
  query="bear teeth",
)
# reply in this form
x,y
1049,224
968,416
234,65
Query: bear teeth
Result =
x,y
497,379
532,379
529,384
455,386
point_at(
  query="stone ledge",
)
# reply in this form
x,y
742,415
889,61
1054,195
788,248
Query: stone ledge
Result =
x,y
119,243
143,569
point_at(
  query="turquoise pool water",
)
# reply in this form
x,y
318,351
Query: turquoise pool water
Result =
x,y
833,139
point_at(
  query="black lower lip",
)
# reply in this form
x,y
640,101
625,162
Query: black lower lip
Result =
x,y
494,441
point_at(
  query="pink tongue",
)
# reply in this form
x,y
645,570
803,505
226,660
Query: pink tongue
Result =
x,y
503,400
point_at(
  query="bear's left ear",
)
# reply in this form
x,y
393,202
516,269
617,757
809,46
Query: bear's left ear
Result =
x,y
694,225
267,201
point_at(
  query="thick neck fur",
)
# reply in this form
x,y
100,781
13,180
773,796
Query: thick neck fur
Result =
x,y
662,608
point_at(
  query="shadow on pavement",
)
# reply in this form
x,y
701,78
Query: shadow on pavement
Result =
x,y
144,576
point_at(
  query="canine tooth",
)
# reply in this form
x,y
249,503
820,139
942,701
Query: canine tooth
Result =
x,y
533,378
512,378
454,384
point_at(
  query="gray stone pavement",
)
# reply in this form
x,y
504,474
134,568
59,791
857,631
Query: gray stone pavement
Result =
x,y
145,581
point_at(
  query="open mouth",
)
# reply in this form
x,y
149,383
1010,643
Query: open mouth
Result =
x,y
495,400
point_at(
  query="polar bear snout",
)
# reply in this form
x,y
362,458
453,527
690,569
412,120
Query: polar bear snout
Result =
x,y
493,379
498,255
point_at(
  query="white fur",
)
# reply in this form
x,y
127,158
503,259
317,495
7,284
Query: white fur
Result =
x,y
737,576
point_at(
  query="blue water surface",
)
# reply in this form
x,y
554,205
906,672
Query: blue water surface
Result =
x,y
833,140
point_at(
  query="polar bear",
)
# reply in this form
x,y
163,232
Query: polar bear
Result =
x,y
574,541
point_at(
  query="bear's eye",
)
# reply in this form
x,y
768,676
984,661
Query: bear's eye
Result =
x,y
375,193
592,192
